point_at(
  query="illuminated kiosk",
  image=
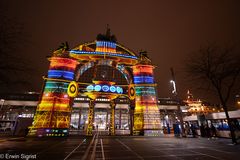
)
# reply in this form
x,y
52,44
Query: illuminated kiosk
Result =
x,y
63,83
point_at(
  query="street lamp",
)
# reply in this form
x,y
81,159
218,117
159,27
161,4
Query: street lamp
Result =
x,y
238,99
174,91
178,101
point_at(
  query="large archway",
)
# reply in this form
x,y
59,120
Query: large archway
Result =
x,y
102,68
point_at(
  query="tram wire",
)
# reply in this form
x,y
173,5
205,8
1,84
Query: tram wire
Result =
x,y
129,149
93,155
95,146
95,149
103,156
101,146
84,140
86,154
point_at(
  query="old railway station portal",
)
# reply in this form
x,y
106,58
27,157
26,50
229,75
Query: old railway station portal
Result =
x,y
116,88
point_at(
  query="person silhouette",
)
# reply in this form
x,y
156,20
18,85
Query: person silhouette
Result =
x,y
213,131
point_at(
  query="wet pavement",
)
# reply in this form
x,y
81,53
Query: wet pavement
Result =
x,y
118,147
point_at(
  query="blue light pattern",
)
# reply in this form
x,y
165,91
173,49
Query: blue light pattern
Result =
x,y
103,53
104,88
113,89
97,88
60,74
143,79
56,86
90,88
105,43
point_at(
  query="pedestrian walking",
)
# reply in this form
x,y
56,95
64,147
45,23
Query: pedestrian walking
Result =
x,y
176,130
213,131
207,131
26,131
193,130
202,130
187,129
168,129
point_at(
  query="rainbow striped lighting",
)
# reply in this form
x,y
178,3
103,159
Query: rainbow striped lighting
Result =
x,y
77,52
55,93
146,114
143,74
105,46
62,68
52,116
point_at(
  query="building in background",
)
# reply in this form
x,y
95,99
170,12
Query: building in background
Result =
x,y
202,114
18,110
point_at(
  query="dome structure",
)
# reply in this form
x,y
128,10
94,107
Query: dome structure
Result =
x,y
104,50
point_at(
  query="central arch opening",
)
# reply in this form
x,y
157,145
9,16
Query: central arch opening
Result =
x,y
105,71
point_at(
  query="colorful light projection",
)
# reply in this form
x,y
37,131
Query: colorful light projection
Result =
x,y
52,116
125,72
109,90
62,68
53,112
112,118
104,50
54,93
73,89
146,114
143,74
77,52
104,88
90,117
105,46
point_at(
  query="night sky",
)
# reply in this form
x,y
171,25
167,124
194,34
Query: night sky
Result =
x,y
168,30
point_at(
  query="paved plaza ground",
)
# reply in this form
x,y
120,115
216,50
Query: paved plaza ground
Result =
x,y
118,147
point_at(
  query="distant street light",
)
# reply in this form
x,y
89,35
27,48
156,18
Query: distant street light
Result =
x,y
174,91
238,99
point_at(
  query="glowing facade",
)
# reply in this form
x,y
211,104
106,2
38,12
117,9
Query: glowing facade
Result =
x,y
65,81
52,117
146,113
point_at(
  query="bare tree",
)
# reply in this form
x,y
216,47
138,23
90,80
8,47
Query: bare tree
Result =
x,y
218,69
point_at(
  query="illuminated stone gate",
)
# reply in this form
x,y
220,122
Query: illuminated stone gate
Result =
x,y
103,68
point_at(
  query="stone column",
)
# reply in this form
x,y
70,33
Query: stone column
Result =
x,y
90,117
80,115
107,124
146,112
112,118
131,111
52,116
120,118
